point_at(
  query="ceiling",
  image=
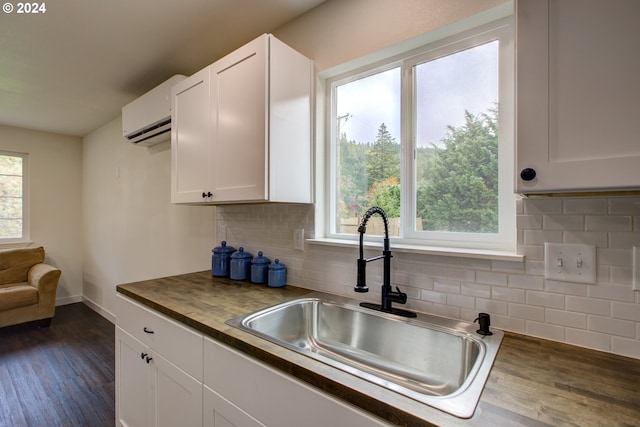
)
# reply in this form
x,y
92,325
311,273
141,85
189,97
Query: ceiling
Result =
x,y
70,69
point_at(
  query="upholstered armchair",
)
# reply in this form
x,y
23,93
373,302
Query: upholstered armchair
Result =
x,y
27,287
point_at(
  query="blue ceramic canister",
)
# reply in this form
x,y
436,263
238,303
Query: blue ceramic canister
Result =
x,y
260,269
277,275
221,259
241,265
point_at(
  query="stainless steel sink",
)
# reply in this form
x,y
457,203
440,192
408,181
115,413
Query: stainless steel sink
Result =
x,y
441,362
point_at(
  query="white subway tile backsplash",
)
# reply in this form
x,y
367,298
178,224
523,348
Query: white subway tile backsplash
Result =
x,y
476,290
588,339
492,307
508,294
526,282
545,299
491,278
588,305
566,288
446,311
566,318
624,205
621,240
463,301
608,223
605,316
433,296
529,222
612,292
460,274
563,222
585,206
596,238
448,286
507,266
549,206
623,310
607,325
626,347
545,330
526,312
539,237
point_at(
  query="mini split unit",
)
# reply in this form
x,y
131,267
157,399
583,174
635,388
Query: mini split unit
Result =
x,y
147,120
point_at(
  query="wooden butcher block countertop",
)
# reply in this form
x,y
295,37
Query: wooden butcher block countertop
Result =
x,y
533,382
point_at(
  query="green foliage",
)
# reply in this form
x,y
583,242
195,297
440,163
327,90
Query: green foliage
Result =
x,y
386,194
461,192
457,182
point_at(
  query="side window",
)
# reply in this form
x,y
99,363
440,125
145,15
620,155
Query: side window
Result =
x,y
13,197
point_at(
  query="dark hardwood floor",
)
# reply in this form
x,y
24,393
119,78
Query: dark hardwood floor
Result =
x,y
63,375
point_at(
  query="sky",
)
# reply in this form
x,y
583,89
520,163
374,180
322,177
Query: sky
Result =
x,y
446,87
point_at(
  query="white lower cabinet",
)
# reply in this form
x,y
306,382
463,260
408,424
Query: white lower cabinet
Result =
x,y
219,412
154,387
241,391
169,375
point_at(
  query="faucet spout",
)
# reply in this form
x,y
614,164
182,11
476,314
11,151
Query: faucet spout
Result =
x,y
389,296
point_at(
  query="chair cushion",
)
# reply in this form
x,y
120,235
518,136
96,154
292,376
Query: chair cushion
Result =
x,y
15,263
17,295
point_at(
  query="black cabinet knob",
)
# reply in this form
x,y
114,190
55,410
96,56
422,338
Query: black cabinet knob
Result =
x,y
143,355
148,331
208,194
149,359
528,174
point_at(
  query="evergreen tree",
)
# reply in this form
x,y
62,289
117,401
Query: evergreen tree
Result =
x,y
461,193
384,158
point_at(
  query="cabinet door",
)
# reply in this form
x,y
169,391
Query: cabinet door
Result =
x,y
191,139
272,397
239,94
577,94
177,396
219,412
133,390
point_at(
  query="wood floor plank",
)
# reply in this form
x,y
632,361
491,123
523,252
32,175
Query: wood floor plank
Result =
x,y
63,375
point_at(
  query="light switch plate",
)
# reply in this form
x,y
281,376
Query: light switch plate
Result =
x,y
570,262
636,268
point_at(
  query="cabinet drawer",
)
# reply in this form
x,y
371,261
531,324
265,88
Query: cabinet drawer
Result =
x,y
177,343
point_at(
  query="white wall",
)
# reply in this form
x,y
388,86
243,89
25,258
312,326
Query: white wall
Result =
x,y
55,180
131,230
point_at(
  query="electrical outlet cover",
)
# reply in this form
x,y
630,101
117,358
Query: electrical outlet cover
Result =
x,y
570,262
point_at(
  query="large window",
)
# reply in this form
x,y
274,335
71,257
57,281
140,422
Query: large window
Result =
x,y
428,136
13,197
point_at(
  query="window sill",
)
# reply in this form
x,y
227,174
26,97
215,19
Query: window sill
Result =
x,y
13,245
427,250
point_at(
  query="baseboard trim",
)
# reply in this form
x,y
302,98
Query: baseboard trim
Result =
x,y
99,309
68,300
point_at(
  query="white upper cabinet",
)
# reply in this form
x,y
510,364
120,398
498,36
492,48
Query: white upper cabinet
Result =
x,y
250,139
191,139
578,92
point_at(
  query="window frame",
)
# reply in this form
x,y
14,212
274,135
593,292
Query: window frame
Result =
x,y
505,239
25,199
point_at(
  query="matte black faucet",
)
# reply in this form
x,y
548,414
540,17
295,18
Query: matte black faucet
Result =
x,y
389,296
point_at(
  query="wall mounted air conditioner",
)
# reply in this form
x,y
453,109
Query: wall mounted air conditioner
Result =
x,y
147,120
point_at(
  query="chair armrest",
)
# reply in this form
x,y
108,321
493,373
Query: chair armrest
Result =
x,y
44,277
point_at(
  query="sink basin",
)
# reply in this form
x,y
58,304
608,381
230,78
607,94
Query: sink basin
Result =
x,y
440,362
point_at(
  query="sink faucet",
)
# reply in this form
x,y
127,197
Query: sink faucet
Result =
x,y
389,296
